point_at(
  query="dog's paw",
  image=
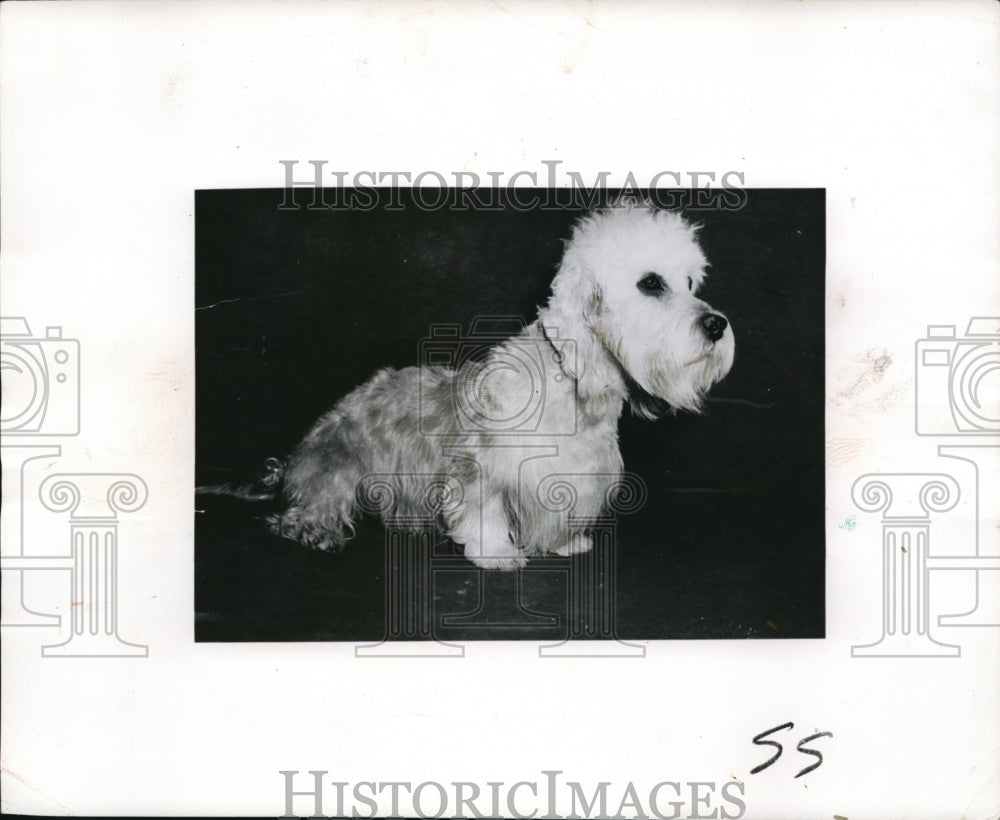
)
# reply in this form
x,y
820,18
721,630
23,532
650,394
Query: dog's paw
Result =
x,y
505,557
502,563
577,544
292,525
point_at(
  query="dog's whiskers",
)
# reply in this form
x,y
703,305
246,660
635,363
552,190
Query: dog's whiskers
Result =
x,y
698,360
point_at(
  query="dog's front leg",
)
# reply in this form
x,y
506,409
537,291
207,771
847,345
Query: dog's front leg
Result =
x,y
572,543
480,525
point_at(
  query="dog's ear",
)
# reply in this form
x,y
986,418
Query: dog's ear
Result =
x,y
592,304
577,302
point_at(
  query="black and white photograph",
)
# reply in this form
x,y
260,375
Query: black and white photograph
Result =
x,y
682,426
500,409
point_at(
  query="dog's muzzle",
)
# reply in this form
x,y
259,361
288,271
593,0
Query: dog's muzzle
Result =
x,y
714,325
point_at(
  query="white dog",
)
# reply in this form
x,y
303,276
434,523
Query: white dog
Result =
x,y
623,324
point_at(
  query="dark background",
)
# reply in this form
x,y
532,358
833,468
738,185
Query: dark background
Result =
x,y
296,307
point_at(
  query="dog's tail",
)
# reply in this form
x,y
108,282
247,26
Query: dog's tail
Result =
x,y
264,488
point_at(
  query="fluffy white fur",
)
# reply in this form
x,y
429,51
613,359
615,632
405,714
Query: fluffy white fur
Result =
x,y
485,445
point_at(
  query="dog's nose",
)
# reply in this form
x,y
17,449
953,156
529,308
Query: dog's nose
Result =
x,y
714,325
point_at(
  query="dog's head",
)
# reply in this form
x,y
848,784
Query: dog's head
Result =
x,y
631,273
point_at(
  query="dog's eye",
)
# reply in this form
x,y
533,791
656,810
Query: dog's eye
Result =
x,y
690,283
651,283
